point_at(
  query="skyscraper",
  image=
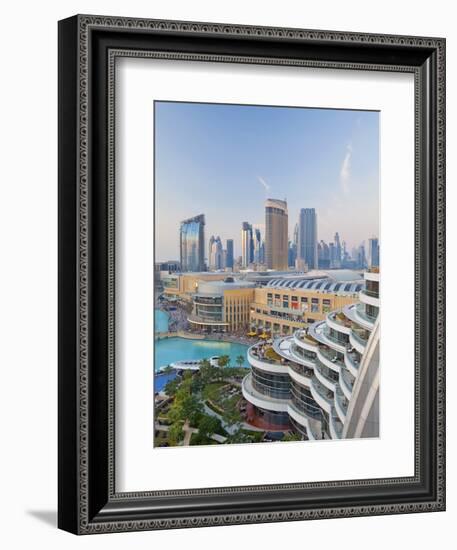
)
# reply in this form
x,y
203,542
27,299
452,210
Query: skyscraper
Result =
x,y
247,245
257,245
192,244
229,261
323,255
276,234
361,257
215,257
373,252
337,260
210,250
307,237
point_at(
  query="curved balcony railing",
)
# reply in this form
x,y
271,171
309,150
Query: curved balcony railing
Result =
x,y
322,395
338,324
302,356
251,394
201,321
326,376
341,404
311,424
335,425
302,340
306,409
356,313
301,369
358,341
352,362
346,382
369,297
329,358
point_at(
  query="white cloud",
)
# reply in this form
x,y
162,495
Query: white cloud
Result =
x,y
345,171
264,183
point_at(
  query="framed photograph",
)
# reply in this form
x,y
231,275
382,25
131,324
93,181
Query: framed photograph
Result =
x,y
251,274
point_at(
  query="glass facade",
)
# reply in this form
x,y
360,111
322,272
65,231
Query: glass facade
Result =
x,y
307,237
272,385
303,401
192,244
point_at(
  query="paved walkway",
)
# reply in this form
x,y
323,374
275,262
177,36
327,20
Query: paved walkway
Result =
x,y
188,431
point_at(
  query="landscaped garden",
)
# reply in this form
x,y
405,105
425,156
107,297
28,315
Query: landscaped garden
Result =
x,y
205,407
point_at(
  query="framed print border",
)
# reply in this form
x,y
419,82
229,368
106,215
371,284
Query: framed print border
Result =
x,y
88,48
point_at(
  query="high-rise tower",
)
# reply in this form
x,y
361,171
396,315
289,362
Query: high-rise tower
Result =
x,y
276,234
247,245
192,244
307,237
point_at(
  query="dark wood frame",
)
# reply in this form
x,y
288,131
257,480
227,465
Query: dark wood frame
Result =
x,y
88,46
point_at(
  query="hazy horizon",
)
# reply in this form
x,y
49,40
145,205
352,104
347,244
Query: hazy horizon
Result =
x,y
225,160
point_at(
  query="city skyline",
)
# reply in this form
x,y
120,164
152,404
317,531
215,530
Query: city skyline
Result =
x,y
339,180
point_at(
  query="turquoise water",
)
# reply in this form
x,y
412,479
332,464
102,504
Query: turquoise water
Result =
x,y
174,349
161,321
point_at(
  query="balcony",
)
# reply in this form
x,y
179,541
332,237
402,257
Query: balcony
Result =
x,y
322,395
329,358
301,374
341,404
326,376
358,339
335,425
196,320
372,275
302,356
259,399
321,333
338,321
259,358
357,314
346,382
305,341
369,297
312,424
352,362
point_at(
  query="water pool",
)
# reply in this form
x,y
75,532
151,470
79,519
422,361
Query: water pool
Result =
x,y
161,320
174,349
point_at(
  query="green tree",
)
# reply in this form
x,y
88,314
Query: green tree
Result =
x,y
175,434
191,409
171,387
208,425
232,416
223,361
240,360
207,372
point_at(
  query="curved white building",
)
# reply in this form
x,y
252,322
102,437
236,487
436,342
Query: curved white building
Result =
x,y
322,383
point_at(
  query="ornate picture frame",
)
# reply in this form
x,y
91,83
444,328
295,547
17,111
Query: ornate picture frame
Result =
x,y
88,48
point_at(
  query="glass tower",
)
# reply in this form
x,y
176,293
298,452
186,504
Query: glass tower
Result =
x,y
192,244
229,262
247,244
307,237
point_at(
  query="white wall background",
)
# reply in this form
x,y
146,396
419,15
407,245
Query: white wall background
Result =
x,y
28,290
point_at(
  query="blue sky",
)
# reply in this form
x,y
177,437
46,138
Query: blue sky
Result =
x,y
225,160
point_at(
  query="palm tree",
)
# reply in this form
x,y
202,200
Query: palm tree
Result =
x,y
223,361
240,360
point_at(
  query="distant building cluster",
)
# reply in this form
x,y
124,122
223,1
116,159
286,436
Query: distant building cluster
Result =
x,y
274,250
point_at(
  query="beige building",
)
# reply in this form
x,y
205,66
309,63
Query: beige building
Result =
x,y
283,309
222,306
276,234
182,286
